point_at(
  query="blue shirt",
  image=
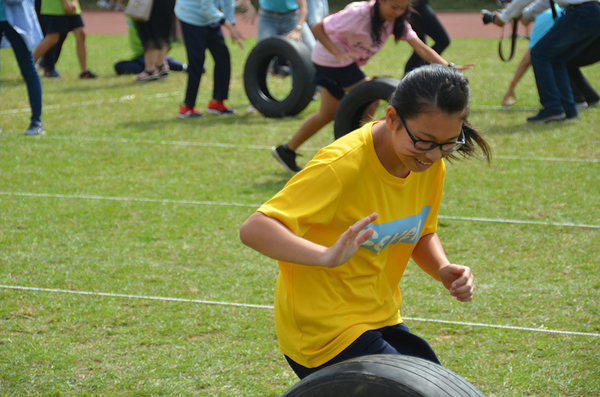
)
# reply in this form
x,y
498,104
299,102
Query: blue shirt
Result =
x,y
543,23
2,12
204,12
278,5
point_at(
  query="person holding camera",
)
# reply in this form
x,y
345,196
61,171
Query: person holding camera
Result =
x,y
571,34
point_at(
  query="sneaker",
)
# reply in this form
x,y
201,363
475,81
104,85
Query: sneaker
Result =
x,y
119,8
581,105
218,107
186,112
593,104
103,4
52,74
86,74
545,116
572,115
286,157
35,129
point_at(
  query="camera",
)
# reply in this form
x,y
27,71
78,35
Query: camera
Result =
x,y
487,17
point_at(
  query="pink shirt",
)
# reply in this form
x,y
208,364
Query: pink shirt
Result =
x,y
350,30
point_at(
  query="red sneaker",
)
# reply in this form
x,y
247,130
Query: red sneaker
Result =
x,y
186,112
218,107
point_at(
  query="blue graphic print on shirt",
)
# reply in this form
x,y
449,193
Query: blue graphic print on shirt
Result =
x,y
405,230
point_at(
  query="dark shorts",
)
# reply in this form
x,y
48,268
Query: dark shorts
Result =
x,y
61,24
396,339
336,79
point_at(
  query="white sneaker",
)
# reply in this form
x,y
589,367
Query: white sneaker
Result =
x,y
103,4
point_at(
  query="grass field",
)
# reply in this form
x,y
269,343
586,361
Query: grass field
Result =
x,y
122,200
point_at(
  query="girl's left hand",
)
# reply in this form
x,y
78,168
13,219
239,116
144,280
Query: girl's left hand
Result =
x,y
468,66
458,280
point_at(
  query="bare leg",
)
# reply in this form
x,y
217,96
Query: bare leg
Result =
x,y
49,41
81,53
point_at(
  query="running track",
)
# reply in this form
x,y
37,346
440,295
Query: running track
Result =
x,y
459,24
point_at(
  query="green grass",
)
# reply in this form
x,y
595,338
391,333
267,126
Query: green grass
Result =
x,y
113,138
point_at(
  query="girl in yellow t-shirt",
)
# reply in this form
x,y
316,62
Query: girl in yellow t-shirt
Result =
x,y
344,228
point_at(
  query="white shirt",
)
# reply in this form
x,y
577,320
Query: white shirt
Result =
x,y
515,8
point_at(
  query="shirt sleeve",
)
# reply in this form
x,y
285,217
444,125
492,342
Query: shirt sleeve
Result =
x,y
310,198
409,33
514,10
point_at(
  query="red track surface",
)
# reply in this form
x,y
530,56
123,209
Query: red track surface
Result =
x,y
459,24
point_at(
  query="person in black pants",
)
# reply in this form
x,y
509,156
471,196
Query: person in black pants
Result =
x,y
425,23
583,93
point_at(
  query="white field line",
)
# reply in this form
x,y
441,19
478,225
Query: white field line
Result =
x,y
268,307
216,203
263,147
170,94
91,103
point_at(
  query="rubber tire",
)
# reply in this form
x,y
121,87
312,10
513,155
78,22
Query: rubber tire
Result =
x,y
384,375
349,115
255,76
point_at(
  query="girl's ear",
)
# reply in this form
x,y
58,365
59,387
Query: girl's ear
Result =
x,y
391,118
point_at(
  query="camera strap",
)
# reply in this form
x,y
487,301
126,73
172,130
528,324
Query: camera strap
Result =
x,y
513,44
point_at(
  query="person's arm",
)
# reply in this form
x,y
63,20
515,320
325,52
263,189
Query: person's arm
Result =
x,y
68,7
272,238
512,11
510,97
429,55
430,256
319,33
296,33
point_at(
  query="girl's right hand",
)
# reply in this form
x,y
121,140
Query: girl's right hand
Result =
x,y
348,243
347,56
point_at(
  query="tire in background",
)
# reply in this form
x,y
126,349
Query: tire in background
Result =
x,y
302,71
350,114
384,375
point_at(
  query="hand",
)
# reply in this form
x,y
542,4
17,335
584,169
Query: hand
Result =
x,y
468,66
348,243
458,280
509,98
294,34
497,21
236,35
347,56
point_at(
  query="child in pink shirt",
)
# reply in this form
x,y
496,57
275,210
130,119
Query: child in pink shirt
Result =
x,y
347,40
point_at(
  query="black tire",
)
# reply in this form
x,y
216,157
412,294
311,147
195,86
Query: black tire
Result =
x,y
255,76
384,376
350,114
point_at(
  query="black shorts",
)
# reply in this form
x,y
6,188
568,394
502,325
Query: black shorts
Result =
x,y
61,24
336,79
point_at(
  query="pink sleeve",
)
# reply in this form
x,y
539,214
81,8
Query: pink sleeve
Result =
x,y
409,33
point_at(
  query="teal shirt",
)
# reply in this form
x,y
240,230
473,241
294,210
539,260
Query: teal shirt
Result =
x,y
2,12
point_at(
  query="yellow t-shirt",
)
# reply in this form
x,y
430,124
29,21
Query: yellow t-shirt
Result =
x,y
318,311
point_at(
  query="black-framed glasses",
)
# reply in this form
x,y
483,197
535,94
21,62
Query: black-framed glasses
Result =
x,y
430,145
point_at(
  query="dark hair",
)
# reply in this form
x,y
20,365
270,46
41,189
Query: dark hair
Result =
x,y
377,23
433,88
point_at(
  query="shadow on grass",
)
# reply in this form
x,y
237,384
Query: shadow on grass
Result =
x,y
516,123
